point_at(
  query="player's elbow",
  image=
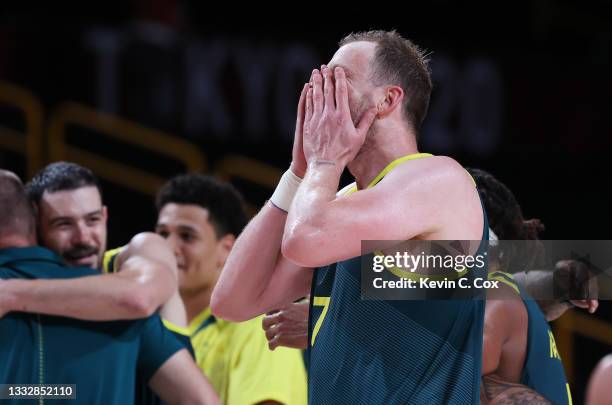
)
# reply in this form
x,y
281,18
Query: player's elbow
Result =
x,y
302,247
150,291
227,307
139,304
291,248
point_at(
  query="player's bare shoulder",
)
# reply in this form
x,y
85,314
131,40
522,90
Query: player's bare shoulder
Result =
x,y
440,188
432,173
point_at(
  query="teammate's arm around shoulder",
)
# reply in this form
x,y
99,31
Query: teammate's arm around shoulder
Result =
x,y
145,280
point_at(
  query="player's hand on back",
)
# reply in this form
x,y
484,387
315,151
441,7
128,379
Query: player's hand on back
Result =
x,y
577,287
288,326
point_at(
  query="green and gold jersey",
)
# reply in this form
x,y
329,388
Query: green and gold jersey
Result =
x,y
543,369
243,371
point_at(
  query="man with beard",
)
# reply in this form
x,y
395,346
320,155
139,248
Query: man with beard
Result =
x,y
363,112
100,358
72,221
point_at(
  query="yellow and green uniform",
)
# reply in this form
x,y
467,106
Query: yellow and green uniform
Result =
x,y
543,369
243,371
391,351
99,357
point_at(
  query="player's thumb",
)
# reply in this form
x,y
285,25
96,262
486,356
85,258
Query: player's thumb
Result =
x,y
366,120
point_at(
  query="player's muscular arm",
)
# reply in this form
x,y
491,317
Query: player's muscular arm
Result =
x,y
146,279
496,333
495,391
174,311
256,278
505,335
322,230
179,381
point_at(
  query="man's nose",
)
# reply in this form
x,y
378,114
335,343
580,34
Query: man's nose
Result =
x,y
82,235
175,245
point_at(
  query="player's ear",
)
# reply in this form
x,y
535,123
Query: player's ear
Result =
x,y
392,99
104,213
224,247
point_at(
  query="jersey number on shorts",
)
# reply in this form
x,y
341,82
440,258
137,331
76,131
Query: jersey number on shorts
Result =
x,y
319,302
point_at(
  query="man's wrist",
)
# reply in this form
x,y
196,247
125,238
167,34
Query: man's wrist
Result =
x,y
325,167
11,294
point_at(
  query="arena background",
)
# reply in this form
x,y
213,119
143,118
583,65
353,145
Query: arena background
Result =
x,y
142,90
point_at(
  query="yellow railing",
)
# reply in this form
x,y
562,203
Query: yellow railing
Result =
x,y
245,168
235,167
574,323
128,132
30,143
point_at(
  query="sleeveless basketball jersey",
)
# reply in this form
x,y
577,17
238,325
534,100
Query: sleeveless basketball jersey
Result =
x,y
543,369
391,352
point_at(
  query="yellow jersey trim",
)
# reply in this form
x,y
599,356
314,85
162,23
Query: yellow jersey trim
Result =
x,y
108,256
499,276
175,328
390,167
197,321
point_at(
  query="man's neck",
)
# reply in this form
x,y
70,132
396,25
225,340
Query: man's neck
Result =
x,y
196,301
380,149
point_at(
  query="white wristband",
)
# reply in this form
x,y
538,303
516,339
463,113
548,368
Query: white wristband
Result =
x,y
286,190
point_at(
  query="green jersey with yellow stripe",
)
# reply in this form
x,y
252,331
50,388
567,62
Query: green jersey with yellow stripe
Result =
x,y
543,369
391,351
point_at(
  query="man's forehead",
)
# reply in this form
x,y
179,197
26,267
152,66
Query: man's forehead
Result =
x,y
353,56
173,213
78,201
